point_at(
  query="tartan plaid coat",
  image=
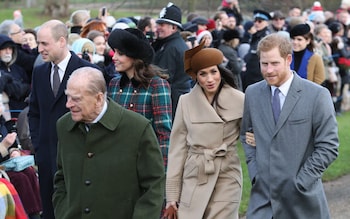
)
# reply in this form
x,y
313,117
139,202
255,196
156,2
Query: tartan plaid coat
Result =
x,y
153,102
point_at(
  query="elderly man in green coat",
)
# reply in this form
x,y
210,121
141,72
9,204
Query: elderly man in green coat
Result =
x,y
109,161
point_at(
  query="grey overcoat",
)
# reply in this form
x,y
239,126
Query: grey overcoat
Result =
x,y
287,163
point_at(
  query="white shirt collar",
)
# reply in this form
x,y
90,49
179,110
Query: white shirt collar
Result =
x,y
284,88
103,111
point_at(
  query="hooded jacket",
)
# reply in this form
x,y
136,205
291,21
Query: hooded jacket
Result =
x,y
13,79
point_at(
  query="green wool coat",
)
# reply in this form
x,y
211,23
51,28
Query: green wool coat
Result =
x,y
113,171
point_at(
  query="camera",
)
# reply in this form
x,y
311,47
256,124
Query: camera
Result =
x,y
191,39
85,55
150,36
103,13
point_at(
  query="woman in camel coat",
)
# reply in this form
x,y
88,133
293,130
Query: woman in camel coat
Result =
x,y
204,178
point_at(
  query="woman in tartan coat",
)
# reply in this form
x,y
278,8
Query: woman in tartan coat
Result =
x,y
141,87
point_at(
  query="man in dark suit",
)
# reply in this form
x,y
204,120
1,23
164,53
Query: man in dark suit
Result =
x,y
45,107
294,139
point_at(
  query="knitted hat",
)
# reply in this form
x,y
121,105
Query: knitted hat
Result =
x,y
262,15
133,43
170,14
248,25
83,45
299,30
317,6
198,58
202,34
230,34
211,24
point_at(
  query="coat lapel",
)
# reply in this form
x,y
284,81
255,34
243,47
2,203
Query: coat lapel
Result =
x,y
230,109
264,99
207,112
292,98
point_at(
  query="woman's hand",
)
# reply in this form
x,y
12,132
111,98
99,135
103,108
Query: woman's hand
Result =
x,y
170,210
9,139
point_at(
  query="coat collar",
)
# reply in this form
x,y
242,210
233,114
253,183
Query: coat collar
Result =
x,y
110,120
230,109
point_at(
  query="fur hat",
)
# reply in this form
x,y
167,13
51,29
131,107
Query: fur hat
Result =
x,y
198,58
170,14
230,34
133,43
299,30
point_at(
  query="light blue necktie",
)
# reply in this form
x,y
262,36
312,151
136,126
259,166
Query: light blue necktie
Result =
x,y
276,105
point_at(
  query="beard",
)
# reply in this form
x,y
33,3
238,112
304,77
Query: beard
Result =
x,y
6,58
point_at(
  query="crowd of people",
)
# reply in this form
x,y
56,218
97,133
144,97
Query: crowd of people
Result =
x,y
140,117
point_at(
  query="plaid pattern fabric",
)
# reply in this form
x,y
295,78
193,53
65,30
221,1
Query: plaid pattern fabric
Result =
x,y
10,204
153,102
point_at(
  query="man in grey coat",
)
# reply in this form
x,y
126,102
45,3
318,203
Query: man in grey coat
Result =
x,y
289,140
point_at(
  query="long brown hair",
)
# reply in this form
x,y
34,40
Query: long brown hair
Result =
x,y
144,73
226,78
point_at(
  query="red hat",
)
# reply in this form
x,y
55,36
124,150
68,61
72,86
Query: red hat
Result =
x,y
211,24
317,6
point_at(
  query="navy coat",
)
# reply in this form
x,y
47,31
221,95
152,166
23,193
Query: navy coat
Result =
x,y
44,110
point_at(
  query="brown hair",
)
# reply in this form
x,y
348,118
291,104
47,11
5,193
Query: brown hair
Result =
x,y
273,40
144,73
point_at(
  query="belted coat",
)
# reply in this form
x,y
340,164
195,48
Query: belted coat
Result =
x,y
203,164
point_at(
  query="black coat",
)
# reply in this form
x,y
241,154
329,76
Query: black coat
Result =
x,y
253,73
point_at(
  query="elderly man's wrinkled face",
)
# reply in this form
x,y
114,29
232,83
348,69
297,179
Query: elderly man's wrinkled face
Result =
x,y
6,54
83,105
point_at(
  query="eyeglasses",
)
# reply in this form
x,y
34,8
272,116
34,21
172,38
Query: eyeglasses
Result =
x,y
14,33
258,20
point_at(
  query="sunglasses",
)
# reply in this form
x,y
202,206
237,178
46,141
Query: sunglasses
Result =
x,y
259,21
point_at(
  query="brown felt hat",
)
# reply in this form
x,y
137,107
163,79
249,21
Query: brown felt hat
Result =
x,y
198,58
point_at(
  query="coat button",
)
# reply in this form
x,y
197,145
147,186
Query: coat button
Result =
x,y
90,155
87,210
87,182
131,105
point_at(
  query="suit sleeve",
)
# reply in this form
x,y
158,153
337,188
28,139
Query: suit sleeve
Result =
x,y
151,176
325,139
250,151
59,184
33,113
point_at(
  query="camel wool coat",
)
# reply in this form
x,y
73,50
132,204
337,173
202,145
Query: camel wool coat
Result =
x,y
204,172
